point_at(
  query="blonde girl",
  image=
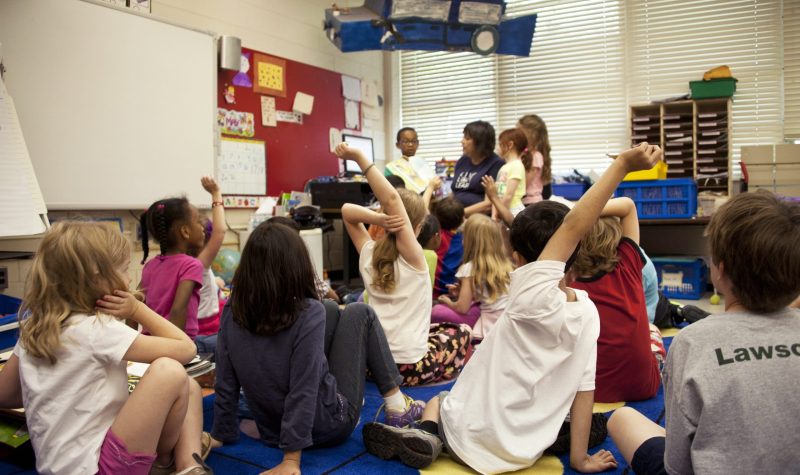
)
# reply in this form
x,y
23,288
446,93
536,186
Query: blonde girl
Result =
x,y
537,162
484,277
396,276
68,369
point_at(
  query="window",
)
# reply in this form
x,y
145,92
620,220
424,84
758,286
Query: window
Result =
x,y
592,58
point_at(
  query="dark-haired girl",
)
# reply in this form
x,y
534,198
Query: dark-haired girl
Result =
x,y
171,281
478,161
300,363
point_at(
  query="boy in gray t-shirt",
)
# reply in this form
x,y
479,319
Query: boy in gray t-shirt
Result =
x,y
729,380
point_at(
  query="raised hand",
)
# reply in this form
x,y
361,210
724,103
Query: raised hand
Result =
x,y
641,157
489,185
209,184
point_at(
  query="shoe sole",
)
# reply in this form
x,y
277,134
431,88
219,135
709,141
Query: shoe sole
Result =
x,y
387,442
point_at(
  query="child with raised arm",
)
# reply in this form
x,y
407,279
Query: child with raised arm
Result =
x,y
209,308
396,276
172,280
609,268
730,380
69,367
536,365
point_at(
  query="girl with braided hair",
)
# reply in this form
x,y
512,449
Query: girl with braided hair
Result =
x,y
171,281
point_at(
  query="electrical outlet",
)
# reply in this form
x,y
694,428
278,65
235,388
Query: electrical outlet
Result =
x,y
3,278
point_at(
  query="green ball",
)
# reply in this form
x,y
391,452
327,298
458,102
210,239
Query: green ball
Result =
x,y
715,299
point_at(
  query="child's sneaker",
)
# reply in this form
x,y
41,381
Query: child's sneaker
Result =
x,y
408,417
415,448
200,469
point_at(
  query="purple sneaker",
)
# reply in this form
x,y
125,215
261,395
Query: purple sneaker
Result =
x,y
407,418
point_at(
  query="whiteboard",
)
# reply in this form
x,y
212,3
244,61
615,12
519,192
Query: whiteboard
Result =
x,y
241,168
118,109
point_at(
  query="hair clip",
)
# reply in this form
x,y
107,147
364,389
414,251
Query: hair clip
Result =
x,y
160,206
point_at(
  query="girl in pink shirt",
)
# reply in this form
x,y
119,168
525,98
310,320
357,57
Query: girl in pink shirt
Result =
x,y
171,281
537,160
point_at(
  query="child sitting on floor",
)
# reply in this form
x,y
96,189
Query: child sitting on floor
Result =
x,y
483,278
536,366
430,239
609,268
172,280
396,276
450,213
302,368
730,379
69,366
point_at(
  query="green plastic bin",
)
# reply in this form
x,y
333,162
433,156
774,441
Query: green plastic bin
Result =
x,y
724,87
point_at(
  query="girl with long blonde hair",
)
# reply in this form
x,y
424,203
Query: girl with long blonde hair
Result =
x,y
69,372
397,278
484,277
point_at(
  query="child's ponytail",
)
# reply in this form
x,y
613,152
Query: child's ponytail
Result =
x,y
386,253
145,236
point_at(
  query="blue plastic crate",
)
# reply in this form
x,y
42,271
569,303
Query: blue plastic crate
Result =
x,y
8,308
661,199
681,277
570,191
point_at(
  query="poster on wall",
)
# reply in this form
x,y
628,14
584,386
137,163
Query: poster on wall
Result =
x,y
269,75
242,167
268,112
242,79
237,123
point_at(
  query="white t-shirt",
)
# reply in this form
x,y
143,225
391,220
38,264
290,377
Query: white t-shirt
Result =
x,y
209,296
490,312
71,405
405,314
523,378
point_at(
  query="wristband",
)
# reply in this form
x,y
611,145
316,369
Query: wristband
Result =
x,y
214,204
367,169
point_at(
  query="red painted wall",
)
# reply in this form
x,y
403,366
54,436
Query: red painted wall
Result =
x,y
295,153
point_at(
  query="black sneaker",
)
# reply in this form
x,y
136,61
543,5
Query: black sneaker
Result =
x,y
414,447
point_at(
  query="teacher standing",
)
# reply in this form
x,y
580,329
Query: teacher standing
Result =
x,y
478,161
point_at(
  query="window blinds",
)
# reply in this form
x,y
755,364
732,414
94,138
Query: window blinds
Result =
x,y
592,58
791,68
672,42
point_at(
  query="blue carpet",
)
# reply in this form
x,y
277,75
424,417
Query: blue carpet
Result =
x,y
250,456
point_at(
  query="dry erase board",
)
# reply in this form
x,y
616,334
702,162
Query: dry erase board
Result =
x,y
241,168
118,109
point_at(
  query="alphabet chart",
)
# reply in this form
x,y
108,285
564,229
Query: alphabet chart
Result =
x,y
242,167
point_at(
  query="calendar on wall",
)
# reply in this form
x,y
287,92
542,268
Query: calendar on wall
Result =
x,y
242,167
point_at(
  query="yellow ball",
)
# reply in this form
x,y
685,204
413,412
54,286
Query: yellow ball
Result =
x,y
715,299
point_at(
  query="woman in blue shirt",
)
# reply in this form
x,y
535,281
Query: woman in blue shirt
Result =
x,y
479,160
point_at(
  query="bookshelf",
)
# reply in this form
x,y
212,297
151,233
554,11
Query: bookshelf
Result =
x,y
695,136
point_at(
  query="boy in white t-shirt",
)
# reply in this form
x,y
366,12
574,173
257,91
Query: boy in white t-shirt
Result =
x,y
538,363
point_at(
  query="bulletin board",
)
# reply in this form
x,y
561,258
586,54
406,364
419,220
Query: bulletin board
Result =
x,y
297,152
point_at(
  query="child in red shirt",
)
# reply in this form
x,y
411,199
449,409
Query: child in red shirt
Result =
x,y
609,264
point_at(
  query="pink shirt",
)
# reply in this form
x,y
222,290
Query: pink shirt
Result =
x,y
534,185
160,278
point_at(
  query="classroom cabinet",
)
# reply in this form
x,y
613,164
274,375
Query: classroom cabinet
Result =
x,y
695,136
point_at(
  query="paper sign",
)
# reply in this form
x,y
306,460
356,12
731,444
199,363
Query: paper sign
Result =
x,y
369,112
369,92
237,123
268,115
351,115
334,138
351,88
288,116
303,103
